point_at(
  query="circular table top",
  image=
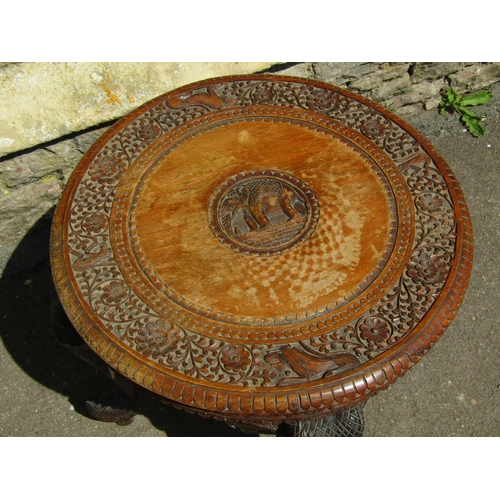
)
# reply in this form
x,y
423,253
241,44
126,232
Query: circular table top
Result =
x,y
261,248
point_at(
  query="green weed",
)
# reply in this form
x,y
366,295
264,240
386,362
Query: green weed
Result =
x,y
452,101
390,107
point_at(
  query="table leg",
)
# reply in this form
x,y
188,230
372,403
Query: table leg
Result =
x,y
125,401
346,423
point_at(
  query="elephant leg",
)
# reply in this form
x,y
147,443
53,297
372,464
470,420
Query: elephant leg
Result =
x,y
259,215
292,207
288,209
251,222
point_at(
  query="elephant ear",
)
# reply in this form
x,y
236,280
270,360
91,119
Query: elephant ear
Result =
x,y
243,191
228,204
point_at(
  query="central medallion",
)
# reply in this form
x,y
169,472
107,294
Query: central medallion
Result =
x,y
263,212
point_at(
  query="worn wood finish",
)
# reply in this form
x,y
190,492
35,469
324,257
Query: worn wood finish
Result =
x,y
261,248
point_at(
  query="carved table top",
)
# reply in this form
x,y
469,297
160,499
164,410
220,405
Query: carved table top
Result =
x,y
261,248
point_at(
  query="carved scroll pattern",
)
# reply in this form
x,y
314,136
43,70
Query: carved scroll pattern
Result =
x,y
138,325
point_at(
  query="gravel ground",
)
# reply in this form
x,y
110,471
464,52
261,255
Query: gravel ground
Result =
x,y
453,391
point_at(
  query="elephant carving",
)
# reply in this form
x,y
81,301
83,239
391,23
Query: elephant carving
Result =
x,y
237,215
261,203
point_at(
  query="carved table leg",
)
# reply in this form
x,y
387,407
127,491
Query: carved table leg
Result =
x,y
346,423
123,403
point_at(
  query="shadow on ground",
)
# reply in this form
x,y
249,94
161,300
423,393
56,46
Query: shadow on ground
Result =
x,y
25,329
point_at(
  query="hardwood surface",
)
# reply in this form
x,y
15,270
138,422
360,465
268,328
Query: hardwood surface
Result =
x,y
261,249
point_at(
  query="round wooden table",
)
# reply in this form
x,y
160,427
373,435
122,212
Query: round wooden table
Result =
x,y
262,249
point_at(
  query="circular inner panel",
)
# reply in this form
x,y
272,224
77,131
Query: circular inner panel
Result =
x,y
263,212
185,261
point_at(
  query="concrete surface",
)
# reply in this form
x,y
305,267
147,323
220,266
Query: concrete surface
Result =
x,y
88,94
453,391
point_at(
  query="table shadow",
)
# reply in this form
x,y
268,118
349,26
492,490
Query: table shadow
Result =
x,y
25,328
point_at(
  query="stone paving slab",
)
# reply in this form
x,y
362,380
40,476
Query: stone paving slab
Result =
x,y
43,101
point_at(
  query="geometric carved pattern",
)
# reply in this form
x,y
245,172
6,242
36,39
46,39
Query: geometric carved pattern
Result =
x,y
346,423
261,248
